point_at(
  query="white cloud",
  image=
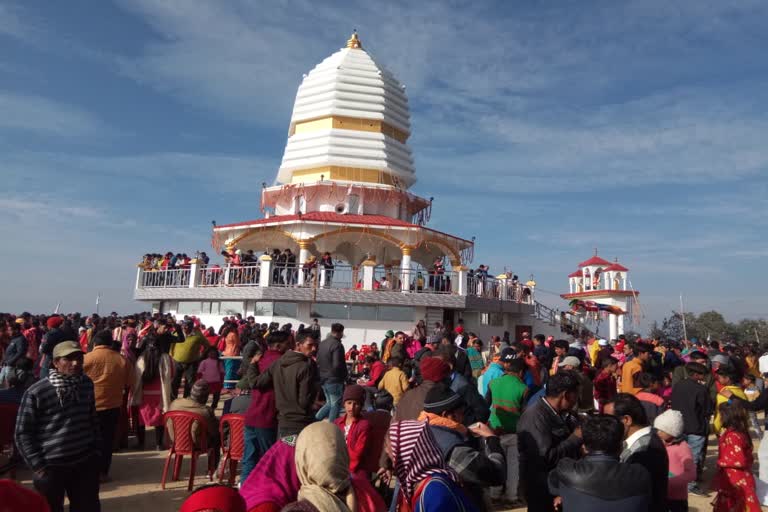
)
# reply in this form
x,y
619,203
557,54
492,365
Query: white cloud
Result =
x,y
45,116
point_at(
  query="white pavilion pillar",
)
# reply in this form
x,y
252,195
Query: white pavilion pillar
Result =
x,y
368,267
139,271
194,273
303,257
613,327
620,325
461,277
265,269
405,267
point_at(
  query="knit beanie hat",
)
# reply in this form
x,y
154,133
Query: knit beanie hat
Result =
x,y
354,392
670,422
434,369
54,322
200,390
441,399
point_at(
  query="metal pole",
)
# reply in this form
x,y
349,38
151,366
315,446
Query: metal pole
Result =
x,y
682,315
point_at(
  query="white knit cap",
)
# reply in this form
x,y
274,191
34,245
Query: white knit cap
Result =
x,y
671,422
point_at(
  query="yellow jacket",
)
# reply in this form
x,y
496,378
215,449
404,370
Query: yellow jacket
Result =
x,y
111,373
738,392
395,382
627,373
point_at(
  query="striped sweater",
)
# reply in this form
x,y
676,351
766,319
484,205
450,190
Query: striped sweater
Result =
x,y
49,434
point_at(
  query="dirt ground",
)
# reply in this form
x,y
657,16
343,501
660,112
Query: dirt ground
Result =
x,y
136,482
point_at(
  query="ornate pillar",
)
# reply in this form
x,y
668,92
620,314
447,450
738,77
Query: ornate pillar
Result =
x,y
303,257
265,270
405,270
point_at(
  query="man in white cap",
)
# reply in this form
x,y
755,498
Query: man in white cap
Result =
x,y
682,469
58,435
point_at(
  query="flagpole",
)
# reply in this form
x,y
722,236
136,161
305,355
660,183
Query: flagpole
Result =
x,y
98,297
682,315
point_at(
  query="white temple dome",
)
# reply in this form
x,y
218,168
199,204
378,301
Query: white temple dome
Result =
x,y
350,123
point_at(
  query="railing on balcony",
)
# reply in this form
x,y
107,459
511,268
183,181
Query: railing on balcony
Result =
x,y
173,278
341,277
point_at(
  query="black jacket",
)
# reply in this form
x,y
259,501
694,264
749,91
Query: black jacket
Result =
x,y
477,408
693,401
479,465
295,381
600,483
649,452
330,361
544,437
16,349
462,364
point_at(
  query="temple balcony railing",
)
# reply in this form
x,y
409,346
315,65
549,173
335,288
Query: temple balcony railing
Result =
x,y
366,276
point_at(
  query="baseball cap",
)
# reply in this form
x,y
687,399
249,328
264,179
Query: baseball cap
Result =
x,y
66,348
570,361
508,354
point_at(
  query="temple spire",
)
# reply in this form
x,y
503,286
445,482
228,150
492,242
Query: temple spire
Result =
x,y
354,41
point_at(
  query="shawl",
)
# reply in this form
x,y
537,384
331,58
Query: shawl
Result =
x,y
322,463
231,344
165,371
274,479
416,455
66,386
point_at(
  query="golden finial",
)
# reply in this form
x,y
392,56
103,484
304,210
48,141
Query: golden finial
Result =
x,y
354,42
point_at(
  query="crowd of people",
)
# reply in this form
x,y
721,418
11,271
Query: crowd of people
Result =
x,y
430,420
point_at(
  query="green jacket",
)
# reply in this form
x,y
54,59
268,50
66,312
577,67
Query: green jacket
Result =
x,y
507,394
191,349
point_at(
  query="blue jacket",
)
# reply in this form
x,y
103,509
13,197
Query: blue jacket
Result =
x,y
16,350
494,371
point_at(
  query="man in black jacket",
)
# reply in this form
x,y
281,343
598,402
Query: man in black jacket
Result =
x,y
547,433
295,381
599,482
333,372
642,446
691,397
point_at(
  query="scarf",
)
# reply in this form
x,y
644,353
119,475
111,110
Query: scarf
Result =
x,y
322,463
66,386
416,455
442,421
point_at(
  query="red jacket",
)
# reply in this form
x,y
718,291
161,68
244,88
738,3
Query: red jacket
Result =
x,y
357,443
262,412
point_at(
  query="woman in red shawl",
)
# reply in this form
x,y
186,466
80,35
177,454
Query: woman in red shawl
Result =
x,y
734,480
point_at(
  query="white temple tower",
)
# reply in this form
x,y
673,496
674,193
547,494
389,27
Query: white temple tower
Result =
x,y
599,282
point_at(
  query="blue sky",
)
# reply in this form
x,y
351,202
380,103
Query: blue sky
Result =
x,y
542,128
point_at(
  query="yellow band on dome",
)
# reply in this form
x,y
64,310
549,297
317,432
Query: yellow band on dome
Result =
x,y
350,123
338,173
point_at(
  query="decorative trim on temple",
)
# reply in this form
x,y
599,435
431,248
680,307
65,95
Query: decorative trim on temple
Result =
x,y
349,123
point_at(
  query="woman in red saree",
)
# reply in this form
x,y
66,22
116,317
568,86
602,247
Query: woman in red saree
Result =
x,y
734,481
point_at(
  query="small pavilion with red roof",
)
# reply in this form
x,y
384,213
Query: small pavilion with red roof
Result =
x,y
603,283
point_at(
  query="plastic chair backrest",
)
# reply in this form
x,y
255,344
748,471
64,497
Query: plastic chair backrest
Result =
x,y
182,422
236,439
8,413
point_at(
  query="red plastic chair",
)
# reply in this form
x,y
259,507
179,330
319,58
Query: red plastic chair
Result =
x,y
231,451
182,444
8,413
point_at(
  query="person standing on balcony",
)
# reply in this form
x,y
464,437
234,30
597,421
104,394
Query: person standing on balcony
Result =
x,y
58,434
333,372
111,374
186,354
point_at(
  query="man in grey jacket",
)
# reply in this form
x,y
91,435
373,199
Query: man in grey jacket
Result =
x,y
17,349
333,372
